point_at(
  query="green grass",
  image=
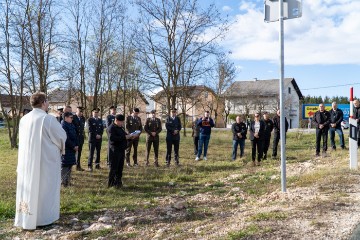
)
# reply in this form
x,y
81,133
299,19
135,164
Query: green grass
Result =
x,y
89,194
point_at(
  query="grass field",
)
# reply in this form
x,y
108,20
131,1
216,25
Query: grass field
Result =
x,y
143,186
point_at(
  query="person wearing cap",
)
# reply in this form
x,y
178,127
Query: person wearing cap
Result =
x,y
110,118
257,132
59,114
71,147
205,123
117,145
133,123
152,128
79,123
96,130
269,126
276,139
173,127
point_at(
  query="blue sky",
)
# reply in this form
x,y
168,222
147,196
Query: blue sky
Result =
x,y
322,48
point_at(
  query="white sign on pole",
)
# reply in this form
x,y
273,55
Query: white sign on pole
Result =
x,y
292,9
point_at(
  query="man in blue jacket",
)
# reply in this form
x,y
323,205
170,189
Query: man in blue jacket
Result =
x,y
205,123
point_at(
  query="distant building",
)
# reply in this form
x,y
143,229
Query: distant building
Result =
x,y
194,100
248,97
6,102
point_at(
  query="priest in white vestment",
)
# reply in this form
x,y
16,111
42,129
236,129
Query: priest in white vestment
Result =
x,y
41,143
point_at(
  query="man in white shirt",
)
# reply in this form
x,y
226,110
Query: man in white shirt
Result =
x,y
41,143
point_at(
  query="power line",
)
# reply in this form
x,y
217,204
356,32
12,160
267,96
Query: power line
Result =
x,y
340,85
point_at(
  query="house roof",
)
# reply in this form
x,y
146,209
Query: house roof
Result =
x,y
190,91
269,88
5,101
58,95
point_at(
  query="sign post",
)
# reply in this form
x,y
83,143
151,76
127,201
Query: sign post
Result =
x,y
293,10
353,135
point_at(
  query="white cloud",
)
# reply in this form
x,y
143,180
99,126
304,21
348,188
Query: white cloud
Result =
x,y
327,33
227,9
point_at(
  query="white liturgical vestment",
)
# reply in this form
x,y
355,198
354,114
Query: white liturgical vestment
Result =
x,y
41,143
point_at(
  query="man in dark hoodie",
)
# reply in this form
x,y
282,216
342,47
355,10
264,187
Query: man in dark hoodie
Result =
x,y
239,131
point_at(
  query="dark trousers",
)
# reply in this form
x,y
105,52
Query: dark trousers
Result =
x,y
78,156
169,144
65,175
257,144
196,144
332,137
241,143
116,169
135,143
321,133
92,147
155,142
266,145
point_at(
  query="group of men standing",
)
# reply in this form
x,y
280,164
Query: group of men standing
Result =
x,y
260,135
329,121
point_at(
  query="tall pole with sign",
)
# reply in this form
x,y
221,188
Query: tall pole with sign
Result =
x,y
293,10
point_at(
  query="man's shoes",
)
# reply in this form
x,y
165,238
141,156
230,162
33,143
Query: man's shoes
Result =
x,y
156,164
136,165
253,164
177,163
90,169
273,157
78,168
343,147
147,163
258,163
317,154
97,167
197,159
204,158
128,164
333,148
265,157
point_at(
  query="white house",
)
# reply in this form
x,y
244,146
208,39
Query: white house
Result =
x,y
248,97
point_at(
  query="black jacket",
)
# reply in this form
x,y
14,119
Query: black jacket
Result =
x,y
96,127
109,120
336,116
261,130
269,126
356,114
276,121
172,125
70,143
117,138
79,124
322,118
239,128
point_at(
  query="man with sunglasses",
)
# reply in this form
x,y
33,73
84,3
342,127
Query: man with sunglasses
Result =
x,y
96,130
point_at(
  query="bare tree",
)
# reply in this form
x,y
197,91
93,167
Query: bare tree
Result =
x,y
13,65
171,33
221,78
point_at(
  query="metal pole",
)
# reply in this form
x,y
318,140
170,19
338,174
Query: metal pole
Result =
x,y
281,95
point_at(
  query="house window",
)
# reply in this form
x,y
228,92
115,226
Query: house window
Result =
x,y
289,90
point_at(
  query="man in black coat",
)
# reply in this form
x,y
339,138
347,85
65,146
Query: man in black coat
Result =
x,y
276,121
239,131
133,123
336,117
173,127
269,126
79,123
152,128
356,114
321,120
96,130
117,145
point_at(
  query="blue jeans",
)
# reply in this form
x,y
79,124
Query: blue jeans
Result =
x,y
203,140
241,143
332,137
